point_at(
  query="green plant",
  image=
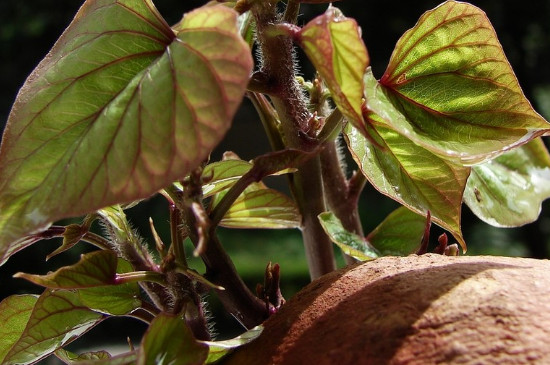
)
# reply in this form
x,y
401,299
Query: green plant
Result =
x,y
125,106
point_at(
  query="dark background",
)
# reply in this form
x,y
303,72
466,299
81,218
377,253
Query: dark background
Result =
x,y
28,29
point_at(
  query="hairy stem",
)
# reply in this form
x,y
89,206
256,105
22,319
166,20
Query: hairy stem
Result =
x,y
235,296
279,67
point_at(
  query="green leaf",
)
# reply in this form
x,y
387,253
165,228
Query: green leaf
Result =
x,y
508,191
223,174
260,207
333,44
169,341
410,174
96,268
121,107
56,319
96,358
457,94
400,234
15,312
350,243
72,359
116,300
218,349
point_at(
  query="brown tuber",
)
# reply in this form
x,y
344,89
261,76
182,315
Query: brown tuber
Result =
x,y
428,309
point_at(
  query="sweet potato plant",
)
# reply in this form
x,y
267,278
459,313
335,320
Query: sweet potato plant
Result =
x,y
126,106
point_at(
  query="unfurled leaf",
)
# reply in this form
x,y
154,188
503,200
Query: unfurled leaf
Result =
x,y
94,269
400,234
262,208
333,44
57,318
121,107
454,89
169,341
218,349
508,191
410,174
116,300
15,312
350,243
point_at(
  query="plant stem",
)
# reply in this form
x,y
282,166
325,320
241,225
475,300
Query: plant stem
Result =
x,y
236,298
306,184
342,196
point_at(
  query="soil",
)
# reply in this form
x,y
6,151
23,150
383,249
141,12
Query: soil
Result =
x,y
428,309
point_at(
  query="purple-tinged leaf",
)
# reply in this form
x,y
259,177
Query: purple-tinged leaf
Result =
x,y
169,341
121,107
56,319
509,190
96,268
333,44
15,312
410,174
400,234
457,94
116,300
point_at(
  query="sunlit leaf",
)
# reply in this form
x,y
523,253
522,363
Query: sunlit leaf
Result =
x,y
457,95
169,341
223,174
121,107
262,208
350,243
411,175
15,312
400,234
333,44
508,191
94,269
218,349
56,319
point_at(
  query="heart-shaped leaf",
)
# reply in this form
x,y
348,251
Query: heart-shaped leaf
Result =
x,y
169,341
508,191
457,95
400,234
56,319
350,243
121,107
410,174
333,44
